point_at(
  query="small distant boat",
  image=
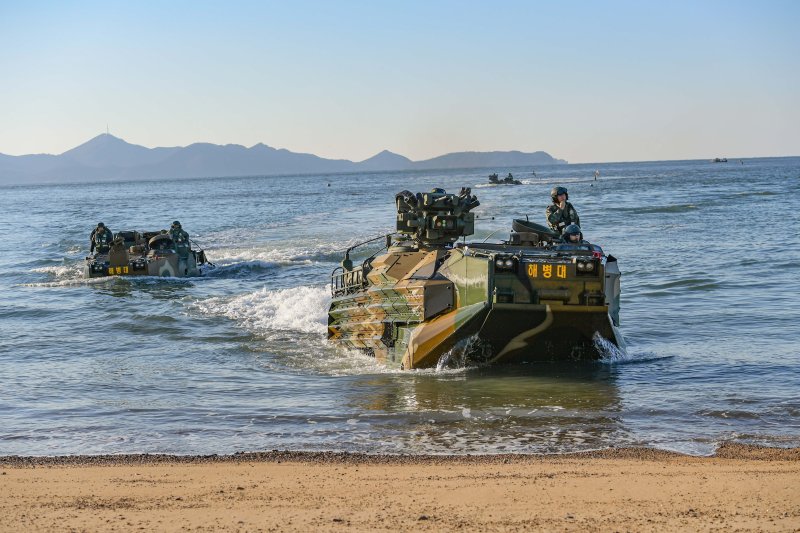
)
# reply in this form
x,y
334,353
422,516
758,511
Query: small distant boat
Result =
x,y
508,180
719,160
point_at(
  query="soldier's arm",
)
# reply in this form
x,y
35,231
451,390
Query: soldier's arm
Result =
x,y
575,215
553,216
547,217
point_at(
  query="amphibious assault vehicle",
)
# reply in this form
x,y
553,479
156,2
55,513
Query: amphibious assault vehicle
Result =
x,y
430,297
149,253
508,180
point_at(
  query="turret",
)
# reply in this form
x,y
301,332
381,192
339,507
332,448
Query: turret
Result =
x,y
436,219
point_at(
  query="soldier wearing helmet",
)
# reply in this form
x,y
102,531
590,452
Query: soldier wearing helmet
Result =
x,y
573,235
561,213
180,238
100,239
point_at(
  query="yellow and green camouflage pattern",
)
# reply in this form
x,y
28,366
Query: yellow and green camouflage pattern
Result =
x,y
409,316
529,299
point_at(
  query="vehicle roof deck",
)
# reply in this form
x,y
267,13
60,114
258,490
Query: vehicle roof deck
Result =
x,y
517,249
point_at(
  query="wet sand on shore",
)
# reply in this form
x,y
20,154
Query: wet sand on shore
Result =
x,y
740,488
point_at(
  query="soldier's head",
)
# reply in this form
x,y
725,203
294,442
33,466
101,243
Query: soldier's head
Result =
x,y
101,226
176,224
556,194
572,233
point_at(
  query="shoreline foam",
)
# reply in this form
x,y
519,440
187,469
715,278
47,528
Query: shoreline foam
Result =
x,y
732,451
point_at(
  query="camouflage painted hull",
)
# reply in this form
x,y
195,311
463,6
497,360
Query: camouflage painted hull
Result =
x,y
169,265
499,303
149,253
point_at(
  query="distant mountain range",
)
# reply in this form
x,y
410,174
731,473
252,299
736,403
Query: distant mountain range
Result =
x,y
110,158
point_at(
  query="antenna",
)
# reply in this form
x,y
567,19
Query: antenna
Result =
x,y
107,129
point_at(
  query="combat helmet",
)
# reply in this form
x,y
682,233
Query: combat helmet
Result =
x,y
556,191
572,229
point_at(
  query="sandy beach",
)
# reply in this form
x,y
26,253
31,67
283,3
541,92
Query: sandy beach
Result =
x,y
740,488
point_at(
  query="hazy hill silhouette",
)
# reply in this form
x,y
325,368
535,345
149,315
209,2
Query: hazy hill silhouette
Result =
x,y
386,160
487,159
107,157
109,151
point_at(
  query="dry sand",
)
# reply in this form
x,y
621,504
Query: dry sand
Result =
x,y
741,488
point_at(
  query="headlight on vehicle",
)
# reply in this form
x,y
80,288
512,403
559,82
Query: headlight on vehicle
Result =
x,y
505,263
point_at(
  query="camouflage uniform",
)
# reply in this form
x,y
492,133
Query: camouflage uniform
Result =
x,y
558,218
181,240
100,239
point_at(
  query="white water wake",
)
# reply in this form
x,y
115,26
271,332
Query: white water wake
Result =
x,y
265,312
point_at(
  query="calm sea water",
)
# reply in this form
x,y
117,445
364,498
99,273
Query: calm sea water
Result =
x,y
237,360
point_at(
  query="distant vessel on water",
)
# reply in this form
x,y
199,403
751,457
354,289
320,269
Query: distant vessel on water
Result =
x,y
720,160
508,180
430,301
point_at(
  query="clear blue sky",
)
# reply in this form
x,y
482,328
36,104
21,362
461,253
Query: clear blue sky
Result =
x,y
584,81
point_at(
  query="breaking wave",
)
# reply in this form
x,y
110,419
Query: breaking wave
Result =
x,y
314,251
300,309
228,256
294,321
65,275
60,271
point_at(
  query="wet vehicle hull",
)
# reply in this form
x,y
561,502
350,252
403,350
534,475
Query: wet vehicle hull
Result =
x,y
411,317
171,265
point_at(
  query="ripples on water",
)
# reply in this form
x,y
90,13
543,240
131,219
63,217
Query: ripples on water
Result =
x,y
237,360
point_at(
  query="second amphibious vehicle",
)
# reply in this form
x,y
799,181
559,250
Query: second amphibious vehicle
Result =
x,y
149,253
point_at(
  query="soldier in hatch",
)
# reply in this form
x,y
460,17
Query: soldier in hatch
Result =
x,y
100,239
561,213
573,235
180,238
